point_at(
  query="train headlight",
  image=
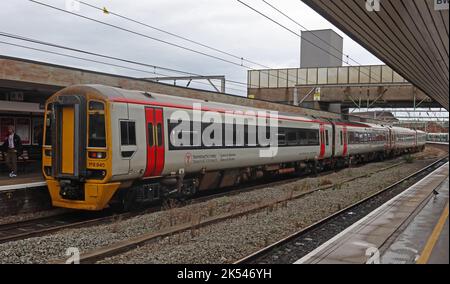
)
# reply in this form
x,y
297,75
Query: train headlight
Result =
x,y
97,155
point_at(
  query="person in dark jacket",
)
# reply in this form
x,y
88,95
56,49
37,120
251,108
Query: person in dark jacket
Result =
x,y
12,146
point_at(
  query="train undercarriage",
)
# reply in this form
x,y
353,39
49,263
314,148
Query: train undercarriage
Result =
x,y
181,187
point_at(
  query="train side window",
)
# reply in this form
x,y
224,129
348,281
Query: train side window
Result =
x,y
352,138
313,138
303,138
327,139
281,137
128,133
342,138
361,138
151,137
292,137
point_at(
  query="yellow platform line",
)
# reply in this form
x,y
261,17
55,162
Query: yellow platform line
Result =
x,y
434,237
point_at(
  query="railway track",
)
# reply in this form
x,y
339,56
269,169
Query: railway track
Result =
x,y
42,226
126,245
299,244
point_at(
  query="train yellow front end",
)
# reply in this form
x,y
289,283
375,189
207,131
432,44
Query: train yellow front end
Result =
x,y
77,152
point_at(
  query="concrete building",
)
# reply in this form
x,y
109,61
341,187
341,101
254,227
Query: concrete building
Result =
x,y
321,48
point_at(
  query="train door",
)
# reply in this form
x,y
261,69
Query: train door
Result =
x,y
69,141
333,140
322,141
392,135
416,134
344,141
155,142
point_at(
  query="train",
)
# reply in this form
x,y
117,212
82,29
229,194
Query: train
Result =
x,y
109,147
438,137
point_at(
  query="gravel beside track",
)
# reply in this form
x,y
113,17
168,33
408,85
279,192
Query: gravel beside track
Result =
x,y
224,242
32,216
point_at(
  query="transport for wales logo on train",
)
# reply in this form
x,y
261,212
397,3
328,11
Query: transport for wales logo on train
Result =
x,y
208,129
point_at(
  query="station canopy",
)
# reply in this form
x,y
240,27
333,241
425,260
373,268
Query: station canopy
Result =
x,y
409,36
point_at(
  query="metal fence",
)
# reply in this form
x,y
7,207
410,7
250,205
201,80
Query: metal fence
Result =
x,y
346,75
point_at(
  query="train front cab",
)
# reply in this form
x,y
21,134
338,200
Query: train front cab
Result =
x,y
77,155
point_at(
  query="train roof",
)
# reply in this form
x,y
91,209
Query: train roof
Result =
x,y
115,94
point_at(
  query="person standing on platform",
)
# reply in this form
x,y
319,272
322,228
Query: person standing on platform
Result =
x,y
12,146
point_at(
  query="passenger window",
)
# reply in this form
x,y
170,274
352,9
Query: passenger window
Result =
x,y
128,133
313,138
342,138
281,137
327,139
292,137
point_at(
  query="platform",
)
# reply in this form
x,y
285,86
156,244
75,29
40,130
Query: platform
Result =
x,y
23,181
28,176
410,228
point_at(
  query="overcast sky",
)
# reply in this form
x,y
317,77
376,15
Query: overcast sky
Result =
x,y
223,24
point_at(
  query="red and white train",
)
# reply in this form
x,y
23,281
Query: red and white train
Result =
x,y
108,146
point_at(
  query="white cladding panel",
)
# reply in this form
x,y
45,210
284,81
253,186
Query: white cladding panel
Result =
x,y
216,159
138,162
120,167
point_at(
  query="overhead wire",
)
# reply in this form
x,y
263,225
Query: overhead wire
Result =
x,y
106,56
242,65
106,63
